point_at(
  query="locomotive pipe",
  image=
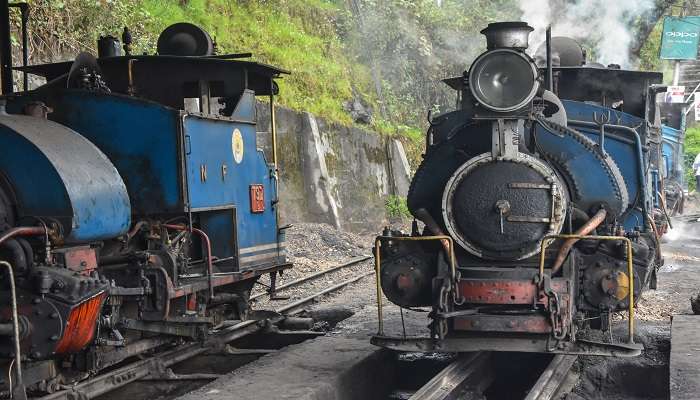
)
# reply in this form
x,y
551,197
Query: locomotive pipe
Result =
x,y
22,231
210,259
423,215
662,200
135,229
19,391
18,257
5,48
550,75
24,10
587,228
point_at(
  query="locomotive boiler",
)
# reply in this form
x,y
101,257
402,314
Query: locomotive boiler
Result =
x,y
538,204
136,209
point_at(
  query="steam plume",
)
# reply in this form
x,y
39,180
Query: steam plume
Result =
x,y
605,26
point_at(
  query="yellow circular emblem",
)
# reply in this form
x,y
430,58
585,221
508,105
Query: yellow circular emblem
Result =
x,y
237,146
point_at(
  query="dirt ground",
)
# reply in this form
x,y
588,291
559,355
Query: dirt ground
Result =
x,y
312,248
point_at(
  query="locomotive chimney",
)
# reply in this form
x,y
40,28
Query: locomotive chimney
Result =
x,y
512,35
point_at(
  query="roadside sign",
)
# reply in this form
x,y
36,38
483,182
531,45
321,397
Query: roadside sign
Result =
x,y
696,106
680,38
675,94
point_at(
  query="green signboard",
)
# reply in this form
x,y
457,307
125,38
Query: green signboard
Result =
x,y
680,38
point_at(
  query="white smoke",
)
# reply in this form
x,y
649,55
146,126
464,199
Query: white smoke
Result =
x,y
606,25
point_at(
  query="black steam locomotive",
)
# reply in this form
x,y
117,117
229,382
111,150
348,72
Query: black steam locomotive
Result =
x,y
539,199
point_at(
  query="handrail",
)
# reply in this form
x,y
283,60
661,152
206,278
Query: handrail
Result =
x,y
640,154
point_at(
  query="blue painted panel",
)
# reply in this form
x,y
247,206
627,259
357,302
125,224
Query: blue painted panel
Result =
x,y
141,139
211,147
672,151
618,145
57,173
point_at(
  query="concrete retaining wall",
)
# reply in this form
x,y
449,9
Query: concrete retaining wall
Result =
x,y
333,173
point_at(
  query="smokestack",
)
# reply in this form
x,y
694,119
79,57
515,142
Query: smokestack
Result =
x,y
512,35
5,48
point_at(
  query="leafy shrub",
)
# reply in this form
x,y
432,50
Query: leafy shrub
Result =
x,y
396,207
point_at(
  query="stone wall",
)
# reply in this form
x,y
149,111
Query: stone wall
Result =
x,y
333,173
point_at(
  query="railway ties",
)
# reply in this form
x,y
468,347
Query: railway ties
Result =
x,y
465,378
315,275
553,377
471,375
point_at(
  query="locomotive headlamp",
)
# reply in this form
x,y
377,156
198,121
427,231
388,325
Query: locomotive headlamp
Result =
x,y
503,80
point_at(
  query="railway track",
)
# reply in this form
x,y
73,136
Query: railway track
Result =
x,y
315,275
471,374
158,365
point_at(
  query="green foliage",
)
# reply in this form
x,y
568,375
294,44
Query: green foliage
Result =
x,y
396,207
391,54
295,35
410,45
649,54
692,148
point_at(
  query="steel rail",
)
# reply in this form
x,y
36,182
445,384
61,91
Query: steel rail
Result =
x,y
120,377
552,378
297,306
470,372
315,275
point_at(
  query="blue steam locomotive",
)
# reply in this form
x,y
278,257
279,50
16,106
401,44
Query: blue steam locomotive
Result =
x,y
672,171
539,201
135,205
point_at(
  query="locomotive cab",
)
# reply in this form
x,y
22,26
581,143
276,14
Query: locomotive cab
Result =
x,y
537,207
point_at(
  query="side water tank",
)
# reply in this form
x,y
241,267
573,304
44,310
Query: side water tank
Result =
x,y
56,174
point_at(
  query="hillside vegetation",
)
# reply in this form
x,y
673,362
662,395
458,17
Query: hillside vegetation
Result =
x,y
389,56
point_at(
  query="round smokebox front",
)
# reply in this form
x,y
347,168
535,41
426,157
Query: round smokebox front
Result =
x,y
502,208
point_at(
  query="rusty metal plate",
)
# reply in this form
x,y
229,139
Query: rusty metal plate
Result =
x,y
503,323
501,291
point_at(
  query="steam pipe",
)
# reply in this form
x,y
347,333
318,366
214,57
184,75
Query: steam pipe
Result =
x,y
19,257
587,228
22,231
5,48
24,9
210,259
137,226
19,391
423,215
662,200
550,75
